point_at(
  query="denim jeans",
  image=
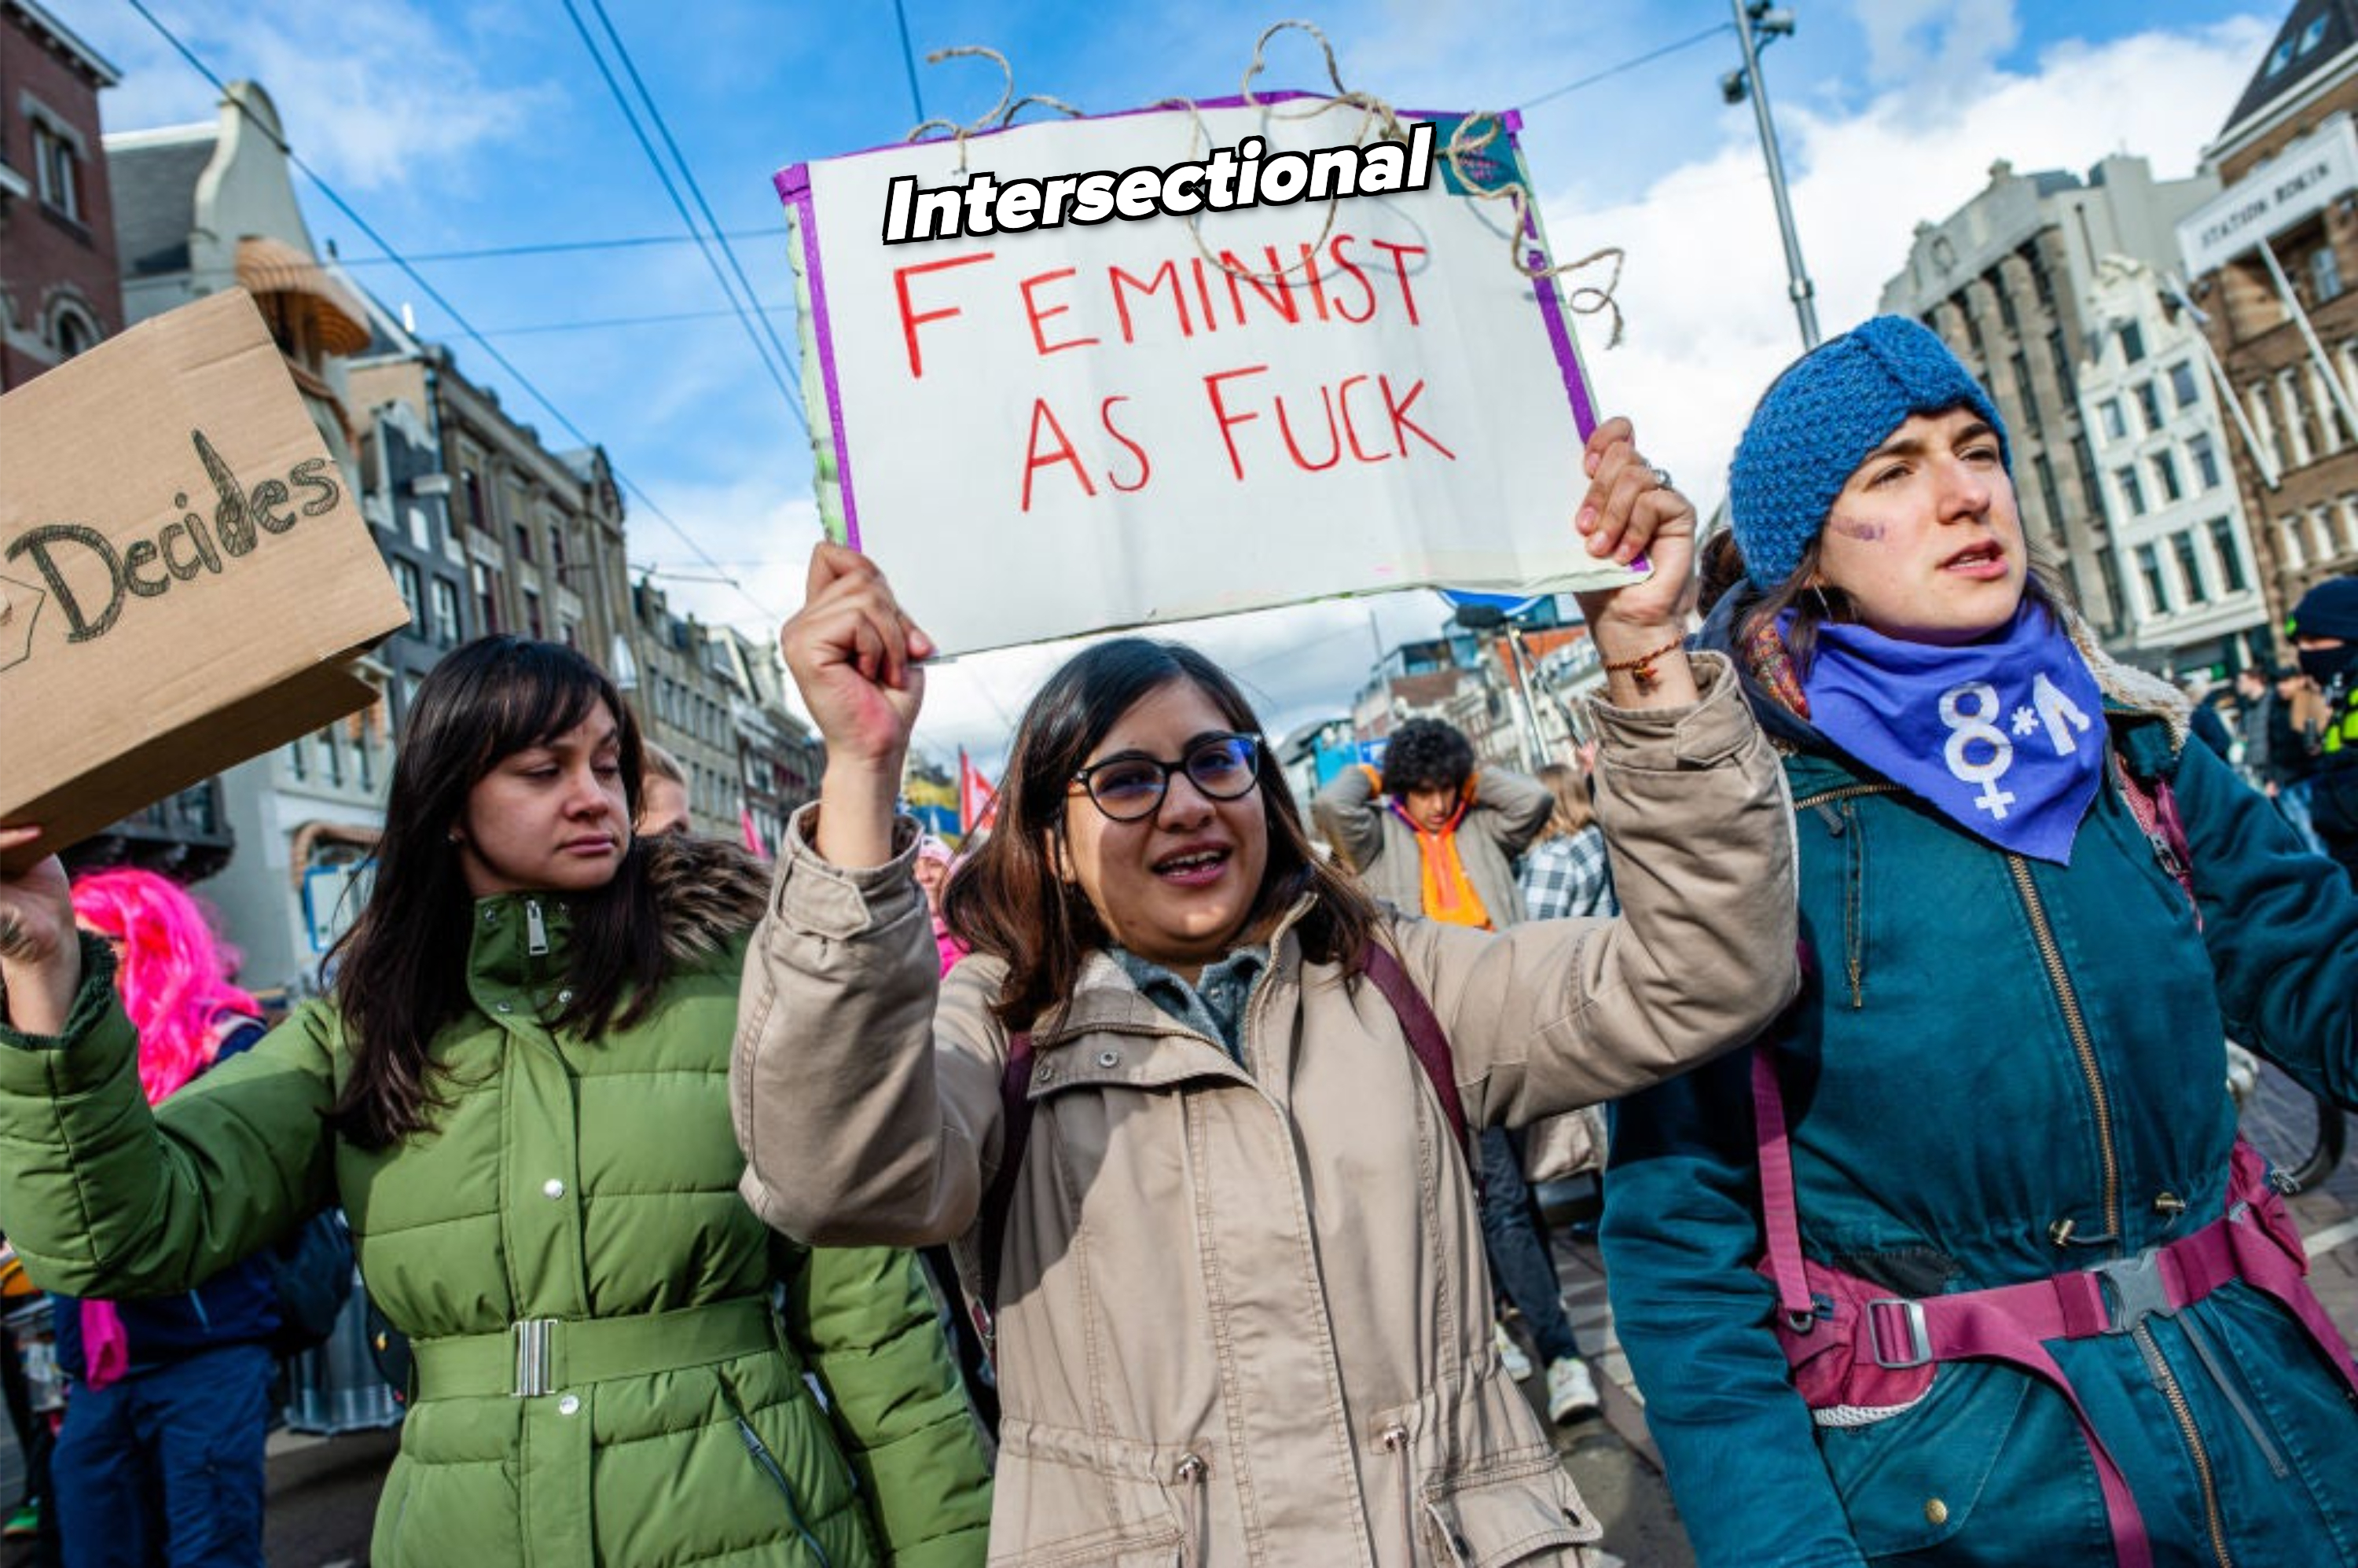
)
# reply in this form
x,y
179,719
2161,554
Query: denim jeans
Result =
x,y
1520,1262
165,1465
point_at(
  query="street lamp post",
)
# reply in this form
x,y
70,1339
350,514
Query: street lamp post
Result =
x,y
1735,87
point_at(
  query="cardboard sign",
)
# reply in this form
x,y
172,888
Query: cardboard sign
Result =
x,y
1180,363
183,577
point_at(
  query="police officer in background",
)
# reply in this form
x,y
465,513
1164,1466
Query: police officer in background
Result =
x,y
2324,628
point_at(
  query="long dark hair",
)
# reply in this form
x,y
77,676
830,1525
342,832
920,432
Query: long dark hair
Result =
x,y
1008,900
400,970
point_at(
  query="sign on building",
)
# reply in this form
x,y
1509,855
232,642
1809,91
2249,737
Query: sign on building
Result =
x,y
2296,184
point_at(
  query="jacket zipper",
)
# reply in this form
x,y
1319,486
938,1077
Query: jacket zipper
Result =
x,y
767,1463
2158,1365
2052,952
535,929
1844,826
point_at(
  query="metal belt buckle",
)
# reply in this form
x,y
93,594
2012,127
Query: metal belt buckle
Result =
x,y
532,1375
2134,1289
1919,1340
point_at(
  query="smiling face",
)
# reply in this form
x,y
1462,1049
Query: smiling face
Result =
x,y
551,818
1178,885
1925,537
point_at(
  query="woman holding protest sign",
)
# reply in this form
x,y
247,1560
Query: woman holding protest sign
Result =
x,y
1962,1263
1194,1112
517,1091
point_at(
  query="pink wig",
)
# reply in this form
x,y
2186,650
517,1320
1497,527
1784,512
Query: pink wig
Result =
x,y
172,972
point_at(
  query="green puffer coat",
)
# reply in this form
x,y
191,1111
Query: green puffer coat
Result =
x,y
590,1182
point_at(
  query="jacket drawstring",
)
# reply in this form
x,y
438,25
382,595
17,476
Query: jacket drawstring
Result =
x,y
1394,1440
1196,1502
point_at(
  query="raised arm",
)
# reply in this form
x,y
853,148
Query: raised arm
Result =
x,y
1346,812
102,1197
860,1120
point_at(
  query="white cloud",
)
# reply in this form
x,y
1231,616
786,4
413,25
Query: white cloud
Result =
x,y
1942,45
375,95
1709,320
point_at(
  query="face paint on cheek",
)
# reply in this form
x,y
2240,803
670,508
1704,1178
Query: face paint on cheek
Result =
x,y
1864,533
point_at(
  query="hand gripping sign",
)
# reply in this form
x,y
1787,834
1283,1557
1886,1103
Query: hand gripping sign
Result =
x,y
1108,372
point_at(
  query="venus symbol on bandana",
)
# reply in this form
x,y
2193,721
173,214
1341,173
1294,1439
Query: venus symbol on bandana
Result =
x,y
1971,727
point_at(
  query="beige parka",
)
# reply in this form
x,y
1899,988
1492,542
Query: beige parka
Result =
x,y
1244,1314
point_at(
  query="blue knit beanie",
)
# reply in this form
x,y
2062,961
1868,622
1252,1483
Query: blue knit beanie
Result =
x,y
1818,421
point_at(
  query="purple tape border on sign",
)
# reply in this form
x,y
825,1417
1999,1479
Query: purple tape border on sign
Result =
x,y
793,184
826,342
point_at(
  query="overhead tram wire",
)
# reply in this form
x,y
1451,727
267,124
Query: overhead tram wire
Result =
x,y
1630,64
763,350
458,319
560,247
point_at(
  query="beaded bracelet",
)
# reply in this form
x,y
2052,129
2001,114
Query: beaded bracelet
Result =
x,y
1641,668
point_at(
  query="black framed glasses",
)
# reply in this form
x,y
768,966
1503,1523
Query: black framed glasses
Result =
x,y
1132,785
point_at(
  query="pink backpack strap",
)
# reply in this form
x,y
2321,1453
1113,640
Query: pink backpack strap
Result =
x,y
1780,1212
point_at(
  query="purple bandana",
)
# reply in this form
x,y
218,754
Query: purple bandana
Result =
x,y
2004,736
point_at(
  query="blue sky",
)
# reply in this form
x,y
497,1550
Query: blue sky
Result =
x,y
484,124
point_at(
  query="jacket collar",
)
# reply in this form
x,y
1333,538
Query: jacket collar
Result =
x,y
1105,998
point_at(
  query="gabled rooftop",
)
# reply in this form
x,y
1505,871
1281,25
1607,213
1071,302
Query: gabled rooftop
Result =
x,y
2316,32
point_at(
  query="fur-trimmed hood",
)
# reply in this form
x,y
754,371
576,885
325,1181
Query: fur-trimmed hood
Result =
x,y
709,891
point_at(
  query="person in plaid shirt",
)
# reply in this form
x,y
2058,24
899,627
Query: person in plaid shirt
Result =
x,y
1565,872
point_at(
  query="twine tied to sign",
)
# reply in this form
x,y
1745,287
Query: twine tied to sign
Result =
x,y
1463,151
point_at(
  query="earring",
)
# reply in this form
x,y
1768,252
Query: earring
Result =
x,y
1825,610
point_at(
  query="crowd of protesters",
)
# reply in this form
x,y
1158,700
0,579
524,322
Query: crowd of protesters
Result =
x,y
1900,929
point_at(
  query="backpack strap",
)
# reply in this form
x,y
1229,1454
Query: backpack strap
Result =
x,y
1425,1038
1014,1134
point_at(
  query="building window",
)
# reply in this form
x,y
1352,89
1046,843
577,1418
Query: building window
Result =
x,y
532,625
1973,330
470,484
2182,386
446,613
2157,591
2132,342
2084,457
2324,274
57,172
2023,390
404,577
331,755
2206,460
486,584
2230,559
2041,283
74,333
2165,472
2060,355
2190,569
2149,402
523,542
557,545
2312,36
295,762
2115,423
2132,493
2047,493
1996,281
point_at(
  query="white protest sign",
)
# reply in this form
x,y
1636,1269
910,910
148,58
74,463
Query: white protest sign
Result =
x,y
1049,403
